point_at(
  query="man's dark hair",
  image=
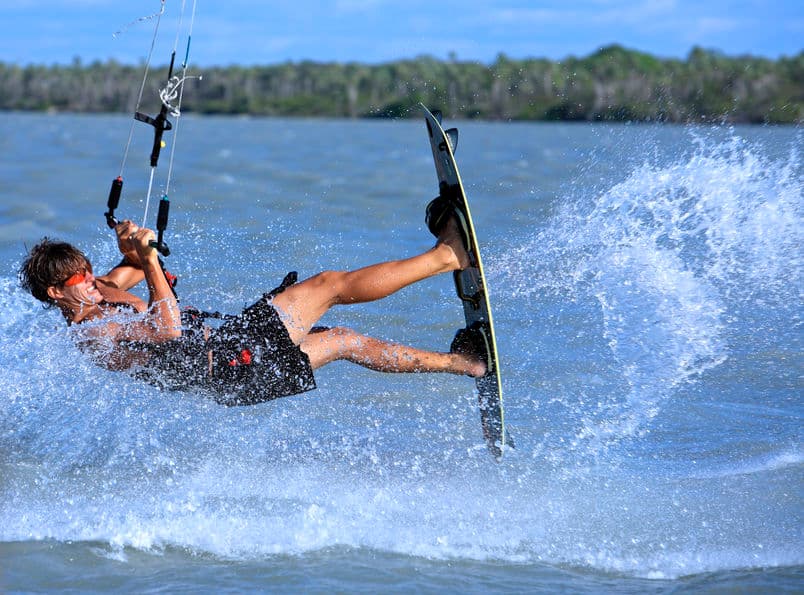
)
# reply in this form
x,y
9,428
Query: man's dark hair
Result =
x,y
48,264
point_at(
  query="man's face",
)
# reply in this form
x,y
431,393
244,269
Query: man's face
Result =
x,y
80,287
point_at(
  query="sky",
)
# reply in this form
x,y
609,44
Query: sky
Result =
x,y
373,31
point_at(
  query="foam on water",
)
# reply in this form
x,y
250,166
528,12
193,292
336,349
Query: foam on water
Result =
x,y
625,300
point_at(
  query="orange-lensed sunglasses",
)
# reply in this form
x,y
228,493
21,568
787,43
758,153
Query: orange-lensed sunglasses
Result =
x,y
79,277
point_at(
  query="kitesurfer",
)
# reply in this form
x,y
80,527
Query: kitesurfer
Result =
x,y
267,351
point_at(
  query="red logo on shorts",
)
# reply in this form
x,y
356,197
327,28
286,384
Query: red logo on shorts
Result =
x,y
244,357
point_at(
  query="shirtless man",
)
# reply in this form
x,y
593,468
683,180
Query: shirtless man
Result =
x,y
269,350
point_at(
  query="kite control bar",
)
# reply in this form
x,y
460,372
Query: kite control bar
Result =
x,y
160,124
161,217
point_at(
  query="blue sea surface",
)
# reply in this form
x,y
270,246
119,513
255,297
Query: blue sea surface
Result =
x,y
646,282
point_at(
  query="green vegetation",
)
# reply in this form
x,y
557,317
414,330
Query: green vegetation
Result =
x,y
612,84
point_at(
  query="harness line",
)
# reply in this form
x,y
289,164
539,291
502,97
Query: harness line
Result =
x,y
117,184
179,85
158,17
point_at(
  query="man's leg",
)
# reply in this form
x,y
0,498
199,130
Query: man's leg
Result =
x,y
303,304
323,347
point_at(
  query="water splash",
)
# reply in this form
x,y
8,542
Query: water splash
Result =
x,y
664,263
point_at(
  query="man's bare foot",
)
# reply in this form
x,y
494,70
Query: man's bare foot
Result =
x,y
466,345
451,236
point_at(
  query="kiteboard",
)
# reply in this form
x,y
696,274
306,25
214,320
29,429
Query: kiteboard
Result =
x,y
470,283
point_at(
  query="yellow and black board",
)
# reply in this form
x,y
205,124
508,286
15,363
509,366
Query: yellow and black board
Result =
x,y
471,285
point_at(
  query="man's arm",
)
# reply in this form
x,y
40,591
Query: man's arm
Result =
x,y
128,272
163,318
123,276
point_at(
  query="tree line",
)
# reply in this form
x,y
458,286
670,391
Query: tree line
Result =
x,y
614,84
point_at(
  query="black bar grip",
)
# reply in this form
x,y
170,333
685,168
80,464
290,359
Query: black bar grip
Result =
x,y
161,226
162,215
114,200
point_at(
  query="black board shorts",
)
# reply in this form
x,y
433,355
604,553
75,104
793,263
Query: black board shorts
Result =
x,y
253,358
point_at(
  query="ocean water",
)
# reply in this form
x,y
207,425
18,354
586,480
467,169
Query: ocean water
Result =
x,y
647,286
